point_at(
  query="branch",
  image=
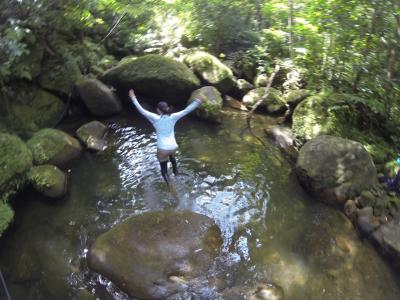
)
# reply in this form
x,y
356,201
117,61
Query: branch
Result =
x,y
115,26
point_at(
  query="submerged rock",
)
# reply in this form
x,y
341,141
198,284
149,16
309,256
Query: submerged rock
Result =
x,y
48,180
15,162
211,70
91,135
53,146
263,291
157,77
156,254
335,169
210,108
99,99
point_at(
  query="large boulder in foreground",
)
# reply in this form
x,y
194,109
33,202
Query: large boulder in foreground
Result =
x,y
156,254
211,70
15,162
48,180
210,108
98,98
154,76
335,169
53,146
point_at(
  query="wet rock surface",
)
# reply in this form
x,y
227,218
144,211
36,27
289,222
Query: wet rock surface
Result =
x,y
156,254
210,107
91,135
48,180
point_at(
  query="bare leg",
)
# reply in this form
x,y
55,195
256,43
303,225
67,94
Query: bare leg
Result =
x,y
174,166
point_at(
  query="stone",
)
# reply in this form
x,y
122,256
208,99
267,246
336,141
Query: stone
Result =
x,y
15,162
25,106
350,209
273,104
145,254
48,180
283,137
98,98
366,199
335,169
233,103
261,80
53,146
387,238
60,74
6,216
294,97
366,221
211,70
91,135
210,108
241,88
154,76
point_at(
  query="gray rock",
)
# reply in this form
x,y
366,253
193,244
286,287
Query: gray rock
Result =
x,y
99,99
210,108
366,199
235,104
335,169
366,221
91,135
272,104
241,88
156,254
388,239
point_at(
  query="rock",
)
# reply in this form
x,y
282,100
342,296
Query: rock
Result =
x,y
6,216
211,70
25,107
235,104
366,199
99,99
241,88
157,77
272,104
294,97
48,180
263,291
387,238
261,80
60,74
91,135
283,137
335,169
346,116
144,254
350,209
210,108
15,162
53,146
366,221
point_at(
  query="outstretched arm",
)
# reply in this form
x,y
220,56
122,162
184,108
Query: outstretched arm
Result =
x,y
191,107
152,117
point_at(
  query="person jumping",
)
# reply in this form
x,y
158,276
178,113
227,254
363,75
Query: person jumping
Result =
x,y
164,124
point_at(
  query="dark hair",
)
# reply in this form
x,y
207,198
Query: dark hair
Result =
x,y
164,108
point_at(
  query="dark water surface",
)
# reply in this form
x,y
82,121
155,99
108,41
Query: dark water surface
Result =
x,y
272,231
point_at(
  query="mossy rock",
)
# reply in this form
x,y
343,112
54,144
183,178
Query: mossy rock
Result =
x,y
154,76
146,254
272,104
60,74
211,70
6,216
28,109
210,108
15,162
91,135
48,180
294,97
53,146
345,116
29,64
99,99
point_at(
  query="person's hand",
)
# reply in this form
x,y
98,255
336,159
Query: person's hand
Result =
x,y
131,93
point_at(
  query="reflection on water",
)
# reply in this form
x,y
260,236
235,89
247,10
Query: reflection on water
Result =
x,y
272,231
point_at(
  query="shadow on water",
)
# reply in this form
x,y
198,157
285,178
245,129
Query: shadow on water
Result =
x,y
272,231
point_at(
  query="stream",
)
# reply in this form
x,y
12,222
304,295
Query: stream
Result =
x,y
272,230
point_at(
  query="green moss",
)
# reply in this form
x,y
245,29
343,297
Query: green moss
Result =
x,y
15,162
210,108
47,179
46,143
344,116
6,216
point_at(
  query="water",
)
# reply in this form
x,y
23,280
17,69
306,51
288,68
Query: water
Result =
x,y
272,231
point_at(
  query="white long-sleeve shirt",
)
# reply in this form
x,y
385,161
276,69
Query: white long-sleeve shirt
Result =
x,y
165,124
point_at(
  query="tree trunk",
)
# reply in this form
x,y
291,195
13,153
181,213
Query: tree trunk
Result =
x,y
290,29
